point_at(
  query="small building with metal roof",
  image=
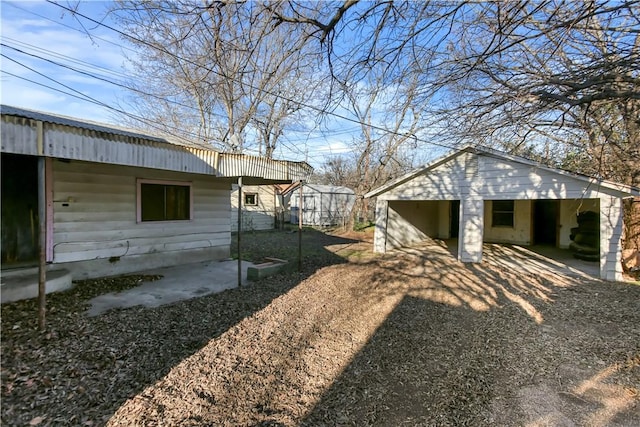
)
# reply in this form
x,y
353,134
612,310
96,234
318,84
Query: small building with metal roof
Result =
x,y
321,205
117,200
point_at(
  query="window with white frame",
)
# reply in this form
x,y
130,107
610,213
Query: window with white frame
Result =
x,y
251,199
164,200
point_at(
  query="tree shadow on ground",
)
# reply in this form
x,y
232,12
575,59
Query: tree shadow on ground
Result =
x,y
311,244
427,364
472,344
80,370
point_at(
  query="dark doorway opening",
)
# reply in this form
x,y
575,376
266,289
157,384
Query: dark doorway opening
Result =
x,y
545,222
20,223
454,225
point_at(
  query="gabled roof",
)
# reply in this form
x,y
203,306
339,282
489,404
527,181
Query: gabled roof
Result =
x,y
499,155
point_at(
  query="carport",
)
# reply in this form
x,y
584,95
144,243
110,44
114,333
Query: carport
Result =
x,y
485,196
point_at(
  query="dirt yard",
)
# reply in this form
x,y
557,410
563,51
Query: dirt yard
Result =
x,y
409,338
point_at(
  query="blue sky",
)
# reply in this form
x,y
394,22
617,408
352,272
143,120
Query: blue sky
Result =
x,y
40,29
32,30
37,33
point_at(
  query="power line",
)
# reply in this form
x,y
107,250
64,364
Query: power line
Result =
x,y
81,98
87,65
301,104
133,89
128,87
79,95
12,4
124,86
88,98
123,47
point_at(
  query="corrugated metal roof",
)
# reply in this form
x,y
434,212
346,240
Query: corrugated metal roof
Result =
x,y
234,165
75,139
96,126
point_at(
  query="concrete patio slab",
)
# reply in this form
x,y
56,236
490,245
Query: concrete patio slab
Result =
x,y
527,259
178,283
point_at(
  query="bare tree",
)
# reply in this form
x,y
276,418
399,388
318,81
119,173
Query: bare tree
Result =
x,y
559,76
389,120
552,78
548,76
219,72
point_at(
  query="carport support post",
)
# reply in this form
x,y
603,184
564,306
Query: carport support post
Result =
x,y
300,229
42,241
611,222
471,230
239,231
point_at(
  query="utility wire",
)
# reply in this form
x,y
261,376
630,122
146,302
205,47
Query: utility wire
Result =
x,y
344,132
86,65
85,73
133,89
301,104
79,95
322,153
12,4
88,98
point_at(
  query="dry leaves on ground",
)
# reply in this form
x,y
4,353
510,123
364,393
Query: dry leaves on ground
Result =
x,y
402,339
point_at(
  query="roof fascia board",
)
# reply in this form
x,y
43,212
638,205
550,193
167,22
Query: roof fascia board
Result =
x,y
419,171
621,188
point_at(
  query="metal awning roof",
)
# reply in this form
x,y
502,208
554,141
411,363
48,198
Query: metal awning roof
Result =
x,y
44,134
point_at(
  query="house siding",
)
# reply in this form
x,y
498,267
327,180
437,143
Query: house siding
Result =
x,y
95,228
259,217
495,179
441,183
520,233
477,178
504,180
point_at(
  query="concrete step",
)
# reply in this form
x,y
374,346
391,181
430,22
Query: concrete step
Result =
x,y
22,284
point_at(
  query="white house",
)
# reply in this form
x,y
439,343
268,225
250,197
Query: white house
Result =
x,y
481,195
117,200
322,205
260,206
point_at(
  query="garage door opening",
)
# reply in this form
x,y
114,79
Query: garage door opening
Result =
x,y
413,221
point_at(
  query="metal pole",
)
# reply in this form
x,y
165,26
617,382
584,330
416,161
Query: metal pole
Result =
x,y
239,231
300,230
42,243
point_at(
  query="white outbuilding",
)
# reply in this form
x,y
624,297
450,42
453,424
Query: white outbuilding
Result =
x,y
480,195
322,205
115,200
